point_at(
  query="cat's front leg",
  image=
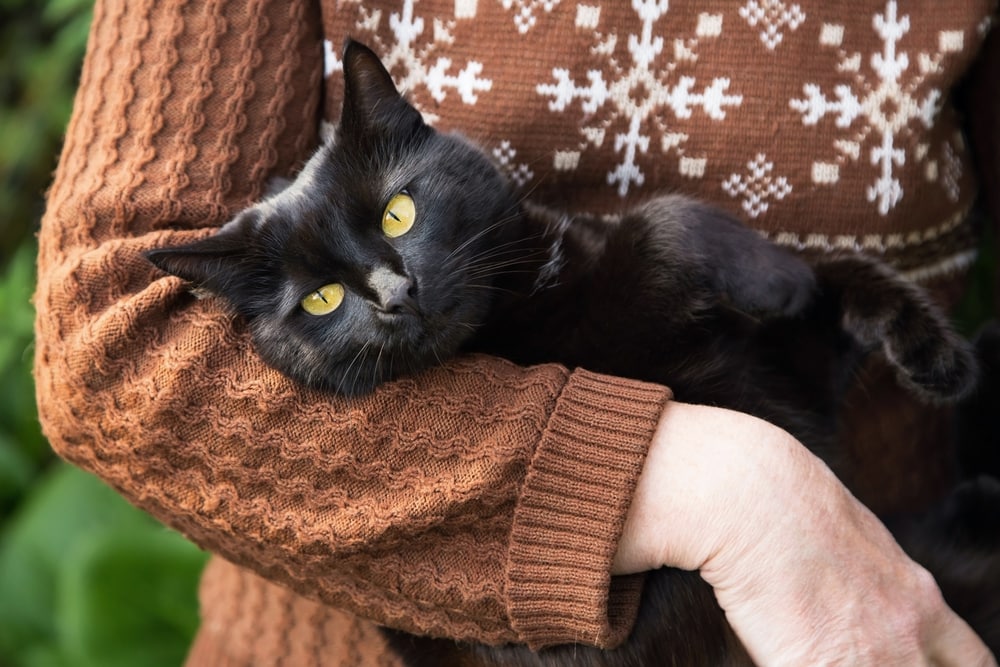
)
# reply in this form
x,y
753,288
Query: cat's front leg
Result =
x,y
736,263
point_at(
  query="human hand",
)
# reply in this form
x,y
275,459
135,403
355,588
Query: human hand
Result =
x,y
804,572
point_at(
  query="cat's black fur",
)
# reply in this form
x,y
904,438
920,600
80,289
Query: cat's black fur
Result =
x,y
673,292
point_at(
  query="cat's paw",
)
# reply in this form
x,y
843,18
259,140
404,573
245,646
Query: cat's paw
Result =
x,y
881,309
932,358
942,369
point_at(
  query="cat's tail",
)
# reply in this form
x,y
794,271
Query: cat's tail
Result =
x,y
880,309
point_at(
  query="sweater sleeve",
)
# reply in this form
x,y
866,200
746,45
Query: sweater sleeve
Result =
x,y
478,501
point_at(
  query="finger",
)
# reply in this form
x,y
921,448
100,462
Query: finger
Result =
x,y
957,645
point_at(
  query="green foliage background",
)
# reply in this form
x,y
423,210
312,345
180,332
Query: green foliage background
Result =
x,y
86,580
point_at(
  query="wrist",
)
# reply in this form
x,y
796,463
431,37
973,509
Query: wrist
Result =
x,y
709,472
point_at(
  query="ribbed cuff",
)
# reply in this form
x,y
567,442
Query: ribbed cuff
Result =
x,y
572,511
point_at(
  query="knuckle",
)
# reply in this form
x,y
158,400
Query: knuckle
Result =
x,y
915,621
926,588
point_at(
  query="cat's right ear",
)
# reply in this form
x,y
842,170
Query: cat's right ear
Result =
x,y
213,263
371,101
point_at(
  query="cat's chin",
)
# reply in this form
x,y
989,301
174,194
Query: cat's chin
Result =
x,y
402,322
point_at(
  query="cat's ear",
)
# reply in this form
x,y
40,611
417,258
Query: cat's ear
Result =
x,y
213,263
371,101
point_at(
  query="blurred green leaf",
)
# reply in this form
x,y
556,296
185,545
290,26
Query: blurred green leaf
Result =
x,y
129,598
23,450
85,579
16,287
41,49
58,11
90,580
64,507
16,471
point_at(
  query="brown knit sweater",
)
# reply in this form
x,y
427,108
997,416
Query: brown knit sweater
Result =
x,y
480,500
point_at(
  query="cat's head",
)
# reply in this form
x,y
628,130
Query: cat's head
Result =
x,y
374,261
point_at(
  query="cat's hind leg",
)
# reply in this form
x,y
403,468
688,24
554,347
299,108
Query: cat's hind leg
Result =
x,y
741,268
881,309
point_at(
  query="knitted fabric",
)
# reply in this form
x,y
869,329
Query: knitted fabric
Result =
x,y
825,125
459,502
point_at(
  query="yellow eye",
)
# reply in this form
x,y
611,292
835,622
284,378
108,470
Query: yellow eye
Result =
x,y
325,300
399,215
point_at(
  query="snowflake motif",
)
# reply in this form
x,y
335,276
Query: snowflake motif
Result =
x,y
331,63
772,15
757,186
885,107
405,54
524,17
951,173
504,154
641,96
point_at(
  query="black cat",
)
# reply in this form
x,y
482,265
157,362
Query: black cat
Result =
x,y
398,246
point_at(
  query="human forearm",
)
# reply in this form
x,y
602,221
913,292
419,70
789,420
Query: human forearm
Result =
x,y
184,111
703,463
804,572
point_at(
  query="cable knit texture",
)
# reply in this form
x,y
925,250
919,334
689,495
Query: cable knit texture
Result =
x,y
398,507
480,500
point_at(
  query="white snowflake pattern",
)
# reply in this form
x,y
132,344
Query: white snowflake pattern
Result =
x,y
952,172
757,186
412,51
518,172
641,95
884,106
524,14
331,63
773,16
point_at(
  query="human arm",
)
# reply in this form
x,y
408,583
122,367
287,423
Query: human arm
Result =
x,y
413,506
377,505
806,574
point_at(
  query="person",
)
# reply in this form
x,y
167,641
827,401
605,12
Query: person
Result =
x,y
482,501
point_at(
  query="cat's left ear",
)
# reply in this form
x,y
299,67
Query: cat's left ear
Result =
x,y
214,263
371,101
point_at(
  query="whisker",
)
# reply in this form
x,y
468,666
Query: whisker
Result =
x,y
491,276
492,287
489,269
340,385
378,360
495,225
507,255
434,349
357,373
472,239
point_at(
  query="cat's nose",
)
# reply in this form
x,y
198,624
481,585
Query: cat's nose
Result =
x,y
395,294
401,298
